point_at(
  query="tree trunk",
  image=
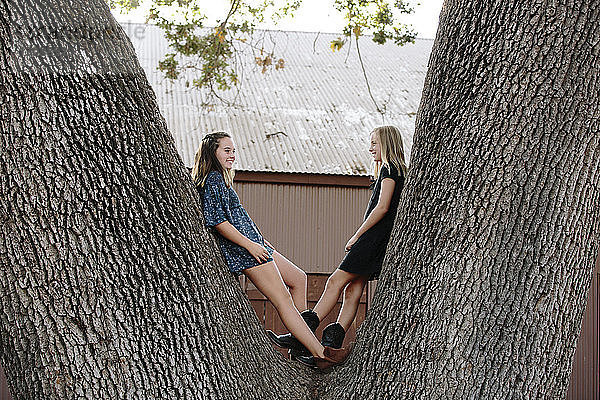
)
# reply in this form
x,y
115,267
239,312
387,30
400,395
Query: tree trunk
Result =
x,y
110,287
487,273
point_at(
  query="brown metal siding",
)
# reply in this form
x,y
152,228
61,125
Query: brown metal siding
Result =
x,y
4,393
585,384
308,224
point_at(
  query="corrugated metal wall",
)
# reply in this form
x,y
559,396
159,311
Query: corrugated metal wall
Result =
x,y
308,224
4,393
585,382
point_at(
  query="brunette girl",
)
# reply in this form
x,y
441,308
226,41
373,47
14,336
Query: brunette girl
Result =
x,y
246,251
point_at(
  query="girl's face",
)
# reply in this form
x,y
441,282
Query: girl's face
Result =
x,y
375,148
226,153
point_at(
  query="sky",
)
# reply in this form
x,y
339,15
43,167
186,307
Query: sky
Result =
x,y
315,16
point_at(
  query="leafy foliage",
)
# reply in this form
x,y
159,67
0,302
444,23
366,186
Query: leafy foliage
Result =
x,y
376,17
210,54
209,57
126,5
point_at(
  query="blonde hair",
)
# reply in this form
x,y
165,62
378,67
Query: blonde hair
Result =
x,y
206,160
392,150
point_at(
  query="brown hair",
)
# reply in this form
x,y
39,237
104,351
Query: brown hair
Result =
x,y
206,161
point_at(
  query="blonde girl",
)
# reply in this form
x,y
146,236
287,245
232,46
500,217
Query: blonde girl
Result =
x,y
366,248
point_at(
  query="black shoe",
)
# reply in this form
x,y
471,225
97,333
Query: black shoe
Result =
x,y
288,341
308,360
311,318
298,352
333,336
312,321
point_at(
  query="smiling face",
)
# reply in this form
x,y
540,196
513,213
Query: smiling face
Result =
x,y
375,148
225,153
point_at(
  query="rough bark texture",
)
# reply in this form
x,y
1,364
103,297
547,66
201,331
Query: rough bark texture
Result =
x,y
109,286
487,273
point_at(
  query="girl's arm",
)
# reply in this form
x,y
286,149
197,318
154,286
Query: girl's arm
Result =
x,y
230,232
382,207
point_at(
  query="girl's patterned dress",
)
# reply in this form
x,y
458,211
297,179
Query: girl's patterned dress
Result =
x,y
220,204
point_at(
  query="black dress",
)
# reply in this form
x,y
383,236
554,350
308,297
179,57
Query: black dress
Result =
x,y
366,255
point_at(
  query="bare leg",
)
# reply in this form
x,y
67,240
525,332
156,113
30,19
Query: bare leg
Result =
x,y
267,279
294,278
352,295
333,288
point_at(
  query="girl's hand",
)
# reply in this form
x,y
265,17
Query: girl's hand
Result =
x,y
258,252
351,242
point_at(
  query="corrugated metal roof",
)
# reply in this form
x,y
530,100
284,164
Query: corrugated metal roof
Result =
x,y
319,100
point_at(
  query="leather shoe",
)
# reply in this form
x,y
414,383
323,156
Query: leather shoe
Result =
x,y
307,360
298,352
333,335
287,341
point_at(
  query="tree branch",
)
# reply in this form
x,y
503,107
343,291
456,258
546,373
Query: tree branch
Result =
x,y
362,65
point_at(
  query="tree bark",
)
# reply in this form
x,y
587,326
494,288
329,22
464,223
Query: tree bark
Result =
x,y
110,286
486,276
